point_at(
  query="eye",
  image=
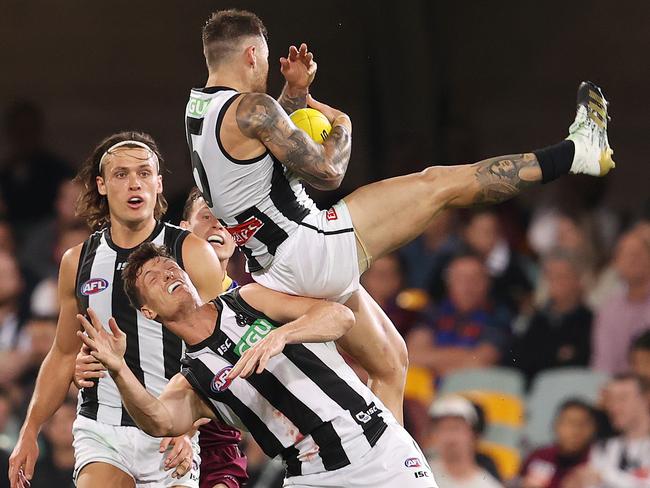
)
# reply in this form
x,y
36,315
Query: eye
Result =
x,y
145,173
120,174
206,217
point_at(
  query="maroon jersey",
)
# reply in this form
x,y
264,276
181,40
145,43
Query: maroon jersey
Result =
x,y
221,459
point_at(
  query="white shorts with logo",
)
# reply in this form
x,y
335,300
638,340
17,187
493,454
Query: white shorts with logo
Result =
x,y
130,450
319,260
395,461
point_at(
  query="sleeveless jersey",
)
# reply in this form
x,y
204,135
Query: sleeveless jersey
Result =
x,y
307,405
152,352
258,200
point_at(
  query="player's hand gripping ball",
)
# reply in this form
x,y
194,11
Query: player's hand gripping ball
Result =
x,y
313,123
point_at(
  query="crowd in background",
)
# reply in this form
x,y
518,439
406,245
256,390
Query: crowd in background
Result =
x,y
555,286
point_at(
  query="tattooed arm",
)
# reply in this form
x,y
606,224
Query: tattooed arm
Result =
x,y
322,166
291,99
494,180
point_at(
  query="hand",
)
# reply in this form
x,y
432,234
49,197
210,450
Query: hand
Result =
x,y
336,117
180,457
22,461
87,367
107,348
256,358
298,68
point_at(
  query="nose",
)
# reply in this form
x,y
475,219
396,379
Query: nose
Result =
x,y
134,182
169,275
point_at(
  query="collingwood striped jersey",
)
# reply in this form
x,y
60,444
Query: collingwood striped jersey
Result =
x,y
307,405
258,200
152,352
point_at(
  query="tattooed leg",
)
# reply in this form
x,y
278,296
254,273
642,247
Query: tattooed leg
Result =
x,y
390,213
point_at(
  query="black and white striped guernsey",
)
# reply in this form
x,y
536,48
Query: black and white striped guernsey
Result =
x,y
152,352
258,200
307,405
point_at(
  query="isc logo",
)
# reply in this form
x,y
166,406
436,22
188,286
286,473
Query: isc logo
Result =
x,y
366,416
93,285
421,474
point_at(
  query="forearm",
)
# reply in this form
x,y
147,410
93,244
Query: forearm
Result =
x,y
146,410
51,388
292,99
490,181
324,322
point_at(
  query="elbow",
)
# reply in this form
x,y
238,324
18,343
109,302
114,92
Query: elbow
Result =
x,y
327,182
345,318
159,429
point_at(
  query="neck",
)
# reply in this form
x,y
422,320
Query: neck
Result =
x,y
638,291
461,467
224,264
131,234
195,325
229,78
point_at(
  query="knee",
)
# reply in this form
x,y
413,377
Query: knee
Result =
x,y
396,360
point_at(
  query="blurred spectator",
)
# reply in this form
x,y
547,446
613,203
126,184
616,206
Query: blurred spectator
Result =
x,y
483,237
39,253
510,285
6,237
559,334
19,366
384,281
622,461
453,437
467,329
575,430
6,444
640,355
430,252
44,301
11,286
627,314
30,174
57,461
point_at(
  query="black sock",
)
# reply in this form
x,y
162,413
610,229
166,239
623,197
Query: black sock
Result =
x,y
555,161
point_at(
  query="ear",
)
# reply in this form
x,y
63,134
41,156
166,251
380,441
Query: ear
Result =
x,y
184,224
251,56
101,185
160,184
147,312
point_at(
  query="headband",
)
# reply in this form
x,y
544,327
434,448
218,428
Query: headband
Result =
x,y
128,143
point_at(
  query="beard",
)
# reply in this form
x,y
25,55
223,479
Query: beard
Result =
x,y
260,83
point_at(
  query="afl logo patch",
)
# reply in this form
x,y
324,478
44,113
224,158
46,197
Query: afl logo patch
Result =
x,y
220,383
93,285
412,463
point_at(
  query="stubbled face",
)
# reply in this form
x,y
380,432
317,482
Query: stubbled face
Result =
x,y
261,71
165,289
467,283
131,183
206,226
574,430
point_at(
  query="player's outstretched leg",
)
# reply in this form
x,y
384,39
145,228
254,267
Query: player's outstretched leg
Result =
x,y
377,346
390,213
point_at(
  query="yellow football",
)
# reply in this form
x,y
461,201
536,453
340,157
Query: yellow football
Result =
x,y
313,123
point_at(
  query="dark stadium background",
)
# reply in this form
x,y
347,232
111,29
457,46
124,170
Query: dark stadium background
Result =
x,y
424,81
